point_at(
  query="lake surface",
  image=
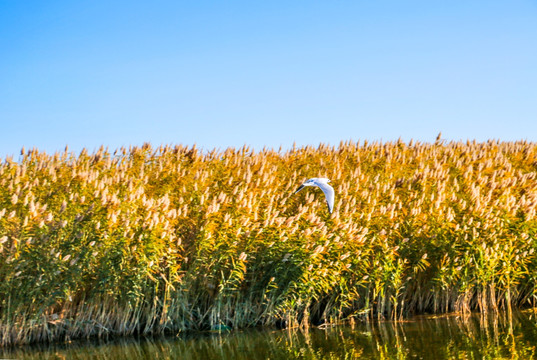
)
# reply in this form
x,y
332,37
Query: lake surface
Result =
x,y
439,337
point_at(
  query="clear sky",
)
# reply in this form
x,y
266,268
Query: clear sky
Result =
x,y
264,73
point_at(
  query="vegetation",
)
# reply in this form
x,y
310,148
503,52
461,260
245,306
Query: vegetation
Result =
x,y
450,336
170,239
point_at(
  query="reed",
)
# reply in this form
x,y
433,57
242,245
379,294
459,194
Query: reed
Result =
x,y
153,240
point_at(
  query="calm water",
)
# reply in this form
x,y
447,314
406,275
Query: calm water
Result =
x,y
446,337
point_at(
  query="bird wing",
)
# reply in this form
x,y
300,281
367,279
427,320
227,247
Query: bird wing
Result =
x,y
300,188
329,194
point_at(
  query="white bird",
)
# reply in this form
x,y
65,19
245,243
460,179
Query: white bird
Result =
x,y
322,183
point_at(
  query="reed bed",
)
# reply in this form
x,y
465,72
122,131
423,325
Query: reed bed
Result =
x,y
160,240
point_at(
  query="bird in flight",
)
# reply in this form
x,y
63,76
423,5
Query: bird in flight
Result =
x,y
322,183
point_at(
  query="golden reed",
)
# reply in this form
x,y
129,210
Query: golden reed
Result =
x,y
152,240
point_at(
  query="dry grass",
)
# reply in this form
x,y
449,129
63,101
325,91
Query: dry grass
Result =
x,y
151,240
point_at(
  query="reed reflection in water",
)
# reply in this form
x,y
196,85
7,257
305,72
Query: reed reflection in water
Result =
x,y
441,337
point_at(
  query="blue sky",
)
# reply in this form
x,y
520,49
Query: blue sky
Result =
x,y
230,73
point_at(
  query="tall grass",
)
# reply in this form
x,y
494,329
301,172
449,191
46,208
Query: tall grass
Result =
x,y
151,240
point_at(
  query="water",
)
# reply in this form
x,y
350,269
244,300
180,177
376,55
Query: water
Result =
x,y
442,337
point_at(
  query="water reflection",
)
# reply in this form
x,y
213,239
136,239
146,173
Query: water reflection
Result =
x,y
443,337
